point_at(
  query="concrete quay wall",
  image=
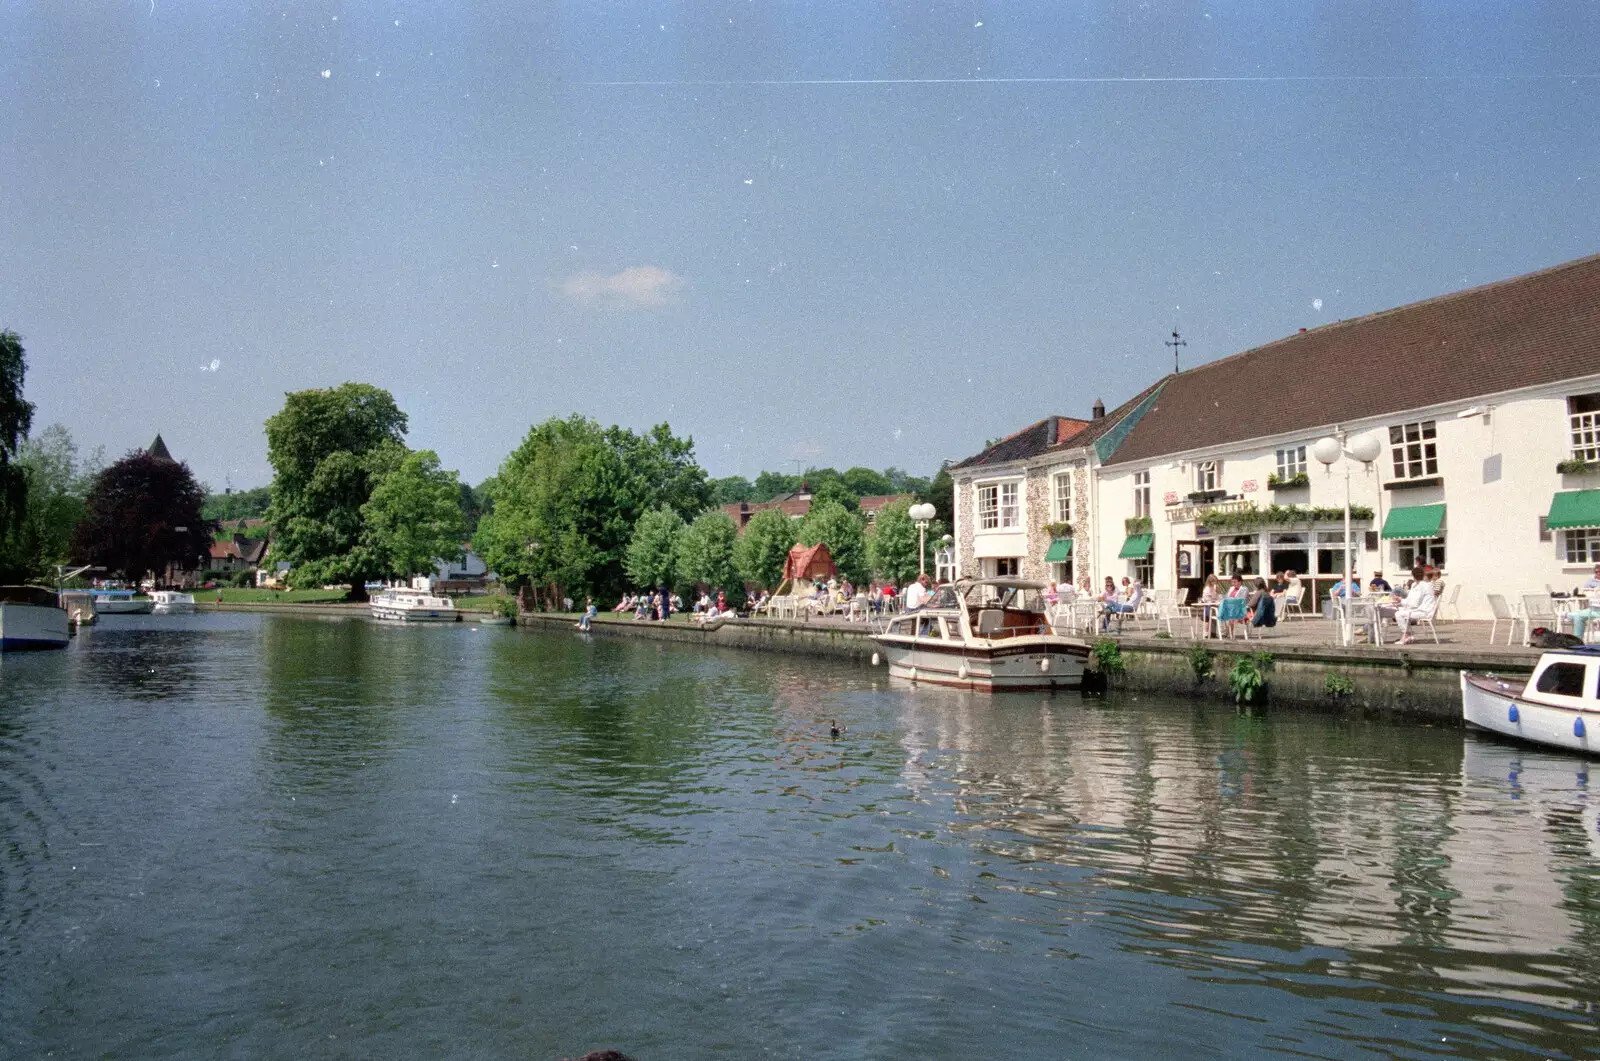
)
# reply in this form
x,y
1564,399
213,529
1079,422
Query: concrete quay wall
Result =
x,y
1420,685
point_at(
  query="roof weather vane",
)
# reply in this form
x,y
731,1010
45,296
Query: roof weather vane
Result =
x,y
1175,342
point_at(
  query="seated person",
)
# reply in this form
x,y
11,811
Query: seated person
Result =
x,y
1379,584
1420,603
1263,609
1135,597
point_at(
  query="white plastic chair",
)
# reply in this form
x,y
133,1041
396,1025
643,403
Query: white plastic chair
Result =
x,y
1452,593
1539,608
1503,614
1293,601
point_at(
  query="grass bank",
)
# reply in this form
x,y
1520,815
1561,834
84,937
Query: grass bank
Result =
x,y
231,595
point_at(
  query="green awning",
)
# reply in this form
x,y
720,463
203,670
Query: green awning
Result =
x,y
1574,508
1137,547
1060,549
1414,521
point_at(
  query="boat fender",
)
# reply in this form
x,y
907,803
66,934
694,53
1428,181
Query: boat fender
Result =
x,y
1044,665
874,659
913,674
1513,715
1578,728
961,672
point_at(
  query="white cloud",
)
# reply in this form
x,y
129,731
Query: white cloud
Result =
x,y
645,286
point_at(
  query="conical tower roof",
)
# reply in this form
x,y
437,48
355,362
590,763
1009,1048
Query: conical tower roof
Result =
x,y
158,448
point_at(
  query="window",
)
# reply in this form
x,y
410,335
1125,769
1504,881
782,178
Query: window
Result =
x,y
1329,562
1416,450
1562,679
988,507
1062,573
1063,497
1206,476
1289,551
1010,514
1583,414
1239,555
1141,493
1291,462
1581,545
1144,569
1429,552
1005,567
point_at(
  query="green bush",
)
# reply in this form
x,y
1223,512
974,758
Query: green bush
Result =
x,y
1248,678
1337,685
243,579
1108,657
1200,662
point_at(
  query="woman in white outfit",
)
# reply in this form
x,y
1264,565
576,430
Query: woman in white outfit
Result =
x,y
1420,603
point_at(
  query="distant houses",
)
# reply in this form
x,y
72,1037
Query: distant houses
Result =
x,y
1485,405
797,505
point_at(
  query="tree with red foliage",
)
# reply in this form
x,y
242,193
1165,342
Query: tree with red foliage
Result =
x,y
142,514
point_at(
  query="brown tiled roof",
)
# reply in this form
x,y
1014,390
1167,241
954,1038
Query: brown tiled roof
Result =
x,y
1533,329
1031,441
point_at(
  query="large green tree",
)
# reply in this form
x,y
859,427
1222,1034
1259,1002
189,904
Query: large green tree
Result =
x,y
941,494
652,556
839,529
57,482
731,490
142,514
769,485
565,502
239,504
864,482
329,449
705,554
761,550
413,517
16,417
892,544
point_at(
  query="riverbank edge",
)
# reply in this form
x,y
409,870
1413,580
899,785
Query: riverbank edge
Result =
x,y
1421,685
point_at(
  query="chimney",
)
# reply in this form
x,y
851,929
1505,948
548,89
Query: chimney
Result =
x,y
1099,409
1054,432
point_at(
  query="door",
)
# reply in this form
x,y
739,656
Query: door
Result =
x,y
1194,560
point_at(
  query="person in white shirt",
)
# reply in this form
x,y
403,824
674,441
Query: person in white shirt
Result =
x,y
1420,603
1593,585
917,593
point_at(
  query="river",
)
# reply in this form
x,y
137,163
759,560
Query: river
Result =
x,y
237,835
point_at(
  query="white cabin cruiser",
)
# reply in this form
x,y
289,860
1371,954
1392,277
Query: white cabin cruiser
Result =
x,y
1558,706
171,602
31,618
416,603
984,634
120,602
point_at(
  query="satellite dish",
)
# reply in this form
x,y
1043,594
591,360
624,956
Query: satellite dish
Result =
x,y
1327,450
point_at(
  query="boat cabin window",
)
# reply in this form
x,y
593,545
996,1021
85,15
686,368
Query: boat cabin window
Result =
x,y
1562,679
929,626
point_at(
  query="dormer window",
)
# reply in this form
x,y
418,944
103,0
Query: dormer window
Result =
x,y
1583,417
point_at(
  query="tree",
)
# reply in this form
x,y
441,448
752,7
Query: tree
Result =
x,y
328,450
56,486
892,545
731,490
769,485
839,529
760,552
413,517
16,417
705,554
652,557
836,492
142,515
864,482
239,504
941,494
661,470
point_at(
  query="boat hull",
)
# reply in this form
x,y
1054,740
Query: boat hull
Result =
x,y
1017,664
391,614
1495,706
102,606
29,627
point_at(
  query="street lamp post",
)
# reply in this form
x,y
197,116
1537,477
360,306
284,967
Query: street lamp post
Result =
x,y
1328,452
922,515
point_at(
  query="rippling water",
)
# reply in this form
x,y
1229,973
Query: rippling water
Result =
x,y
247,836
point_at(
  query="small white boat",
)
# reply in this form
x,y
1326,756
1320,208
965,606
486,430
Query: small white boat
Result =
x,y
413,604
1557,706
985,634
171,602
31,618
120,602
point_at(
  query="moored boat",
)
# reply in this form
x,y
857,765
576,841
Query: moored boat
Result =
x,y
31,618
985,634
171,602
120,602
416,603
1558,705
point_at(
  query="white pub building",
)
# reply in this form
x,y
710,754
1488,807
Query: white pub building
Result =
x,y
1479,410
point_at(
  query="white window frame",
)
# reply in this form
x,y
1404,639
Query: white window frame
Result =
x,y
1414,449
1061,491
988,505
1291,462
1207,476
1580,545
1408,551
1585,430
1010,505
1141,494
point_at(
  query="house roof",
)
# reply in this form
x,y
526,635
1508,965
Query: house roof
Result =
x,y
1539,328
1032,440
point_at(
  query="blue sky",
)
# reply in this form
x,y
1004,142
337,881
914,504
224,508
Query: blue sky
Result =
x,y
833,233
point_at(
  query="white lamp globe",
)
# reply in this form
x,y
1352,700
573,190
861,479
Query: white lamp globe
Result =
x,y
922,513
1366,448
1327,450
